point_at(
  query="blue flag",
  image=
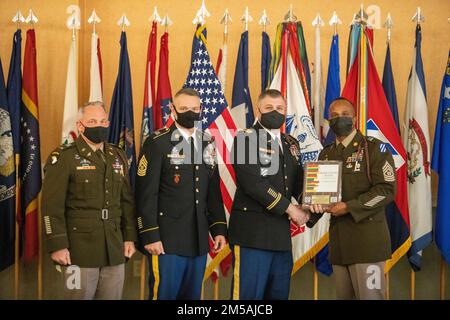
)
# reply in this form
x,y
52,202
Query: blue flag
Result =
x,y
14,88
333,90
121,130
266,59
441,165
7,181
398,227
389,87
241,102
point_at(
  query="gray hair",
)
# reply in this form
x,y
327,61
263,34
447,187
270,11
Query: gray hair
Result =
x,y
87,104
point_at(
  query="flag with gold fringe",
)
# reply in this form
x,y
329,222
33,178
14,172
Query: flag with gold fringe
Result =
x,y
30,156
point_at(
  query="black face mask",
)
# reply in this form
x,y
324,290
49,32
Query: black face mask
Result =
x,y
187,119
96,134
341,126
272,119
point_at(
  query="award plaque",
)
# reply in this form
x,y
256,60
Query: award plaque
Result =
x,y
322,183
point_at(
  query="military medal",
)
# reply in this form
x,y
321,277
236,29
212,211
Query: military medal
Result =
x,y
176,178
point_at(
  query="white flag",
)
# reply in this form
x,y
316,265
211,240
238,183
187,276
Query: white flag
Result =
x,y
417,144
222,66
69,130
306,242
96,80
318,91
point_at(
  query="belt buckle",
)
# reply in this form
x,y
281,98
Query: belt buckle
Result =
x,y
105,214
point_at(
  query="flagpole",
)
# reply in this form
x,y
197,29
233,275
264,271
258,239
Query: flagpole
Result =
x,y
315,281
388,24
17,19
154,18
442,279
418,18
387,293
216,289
142,282
202,295
17,235
32,20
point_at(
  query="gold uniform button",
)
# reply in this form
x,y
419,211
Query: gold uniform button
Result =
x,y
176,167
161,213
74,228
107,191
196,179
196,201
285,177
287,188
106,179
245,209
196,167
196,190
86,180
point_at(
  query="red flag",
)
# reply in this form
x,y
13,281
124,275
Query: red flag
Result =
x,y
149,110
164,95
30,166
380,123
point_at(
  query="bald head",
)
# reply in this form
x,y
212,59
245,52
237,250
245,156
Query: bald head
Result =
x,y
341,107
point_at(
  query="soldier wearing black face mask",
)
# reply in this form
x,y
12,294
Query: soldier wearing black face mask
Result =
x,y
268,175
359,236
88,209
179,203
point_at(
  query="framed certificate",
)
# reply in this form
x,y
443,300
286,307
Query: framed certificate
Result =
x,y
322,182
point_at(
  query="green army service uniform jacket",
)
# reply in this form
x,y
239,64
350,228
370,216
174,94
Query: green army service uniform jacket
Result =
x,y
87,204
368,185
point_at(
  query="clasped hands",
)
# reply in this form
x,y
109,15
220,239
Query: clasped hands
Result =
x,y
300,216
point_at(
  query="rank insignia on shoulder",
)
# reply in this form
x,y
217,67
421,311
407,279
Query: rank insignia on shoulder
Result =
x,y
142,167
160,132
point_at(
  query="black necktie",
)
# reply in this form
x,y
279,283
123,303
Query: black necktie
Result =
x,y
192,147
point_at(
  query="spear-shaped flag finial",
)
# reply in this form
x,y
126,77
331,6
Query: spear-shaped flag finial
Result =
x,y
388,24
123,22
201,15
31,19
246,18
418,16
94,19
264,20
155,16
226,20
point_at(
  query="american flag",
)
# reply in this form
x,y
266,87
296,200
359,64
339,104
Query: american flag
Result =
x,y
216,120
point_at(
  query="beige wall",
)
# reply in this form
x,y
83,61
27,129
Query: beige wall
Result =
x,y
53,40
